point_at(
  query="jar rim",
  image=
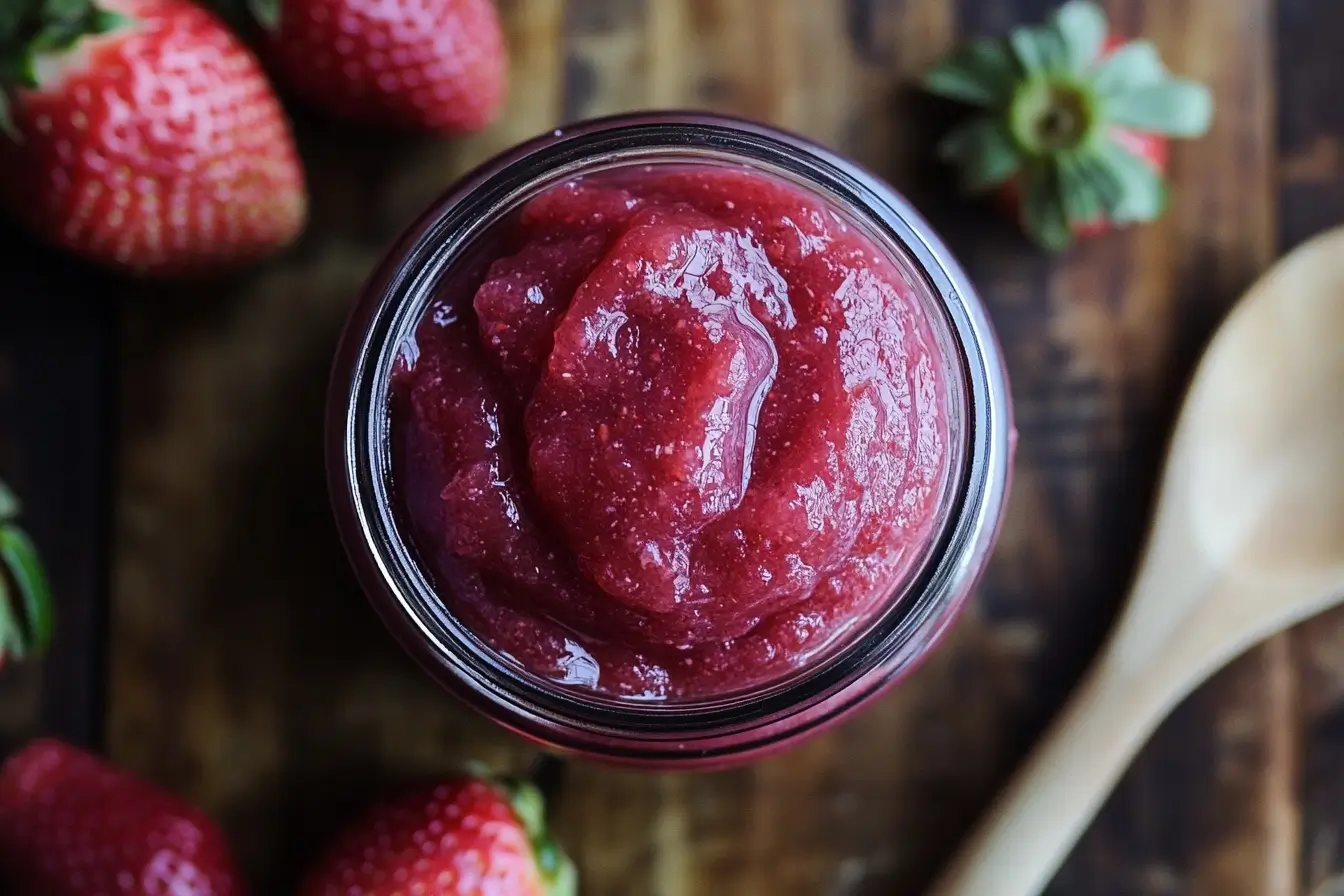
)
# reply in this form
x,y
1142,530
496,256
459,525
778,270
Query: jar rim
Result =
x,y
385,563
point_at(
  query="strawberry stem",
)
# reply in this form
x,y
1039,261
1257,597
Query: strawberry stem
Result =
x,y
1047,117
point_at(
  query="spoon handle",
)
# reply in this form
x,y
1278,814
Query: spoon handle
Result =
x,y
1035,822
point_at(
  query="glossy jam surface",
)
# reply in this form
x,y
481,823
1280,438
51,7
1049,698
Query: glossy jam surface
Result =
x,y
685,428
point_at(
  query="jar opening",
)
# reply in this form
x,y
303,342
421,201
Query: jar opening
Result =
x,y
450,249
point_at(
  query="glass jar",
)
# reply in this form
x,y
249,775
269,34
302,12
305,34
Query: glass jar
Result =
x,y
448,248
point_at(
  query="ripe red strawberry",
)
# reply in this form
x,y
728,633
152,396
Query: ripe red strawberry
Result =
x,y
25,598
1072,123
427,65
73,825
144,136
465,837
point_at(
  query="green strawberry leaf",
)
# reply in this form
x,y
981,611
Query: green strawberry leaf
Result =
x,y
11,18
55,36
984,151
266,12
1082,196
527,803
19,554
18,70
66,21
9,503
7,126
1142,196
1081,26
980,73
105,21
1039,51
1105,186
1174,107
558,873
13,642
17,22
27,31
1053,50
1031,53
65,10
557,870
27,628
1134,64
32,27
1043,215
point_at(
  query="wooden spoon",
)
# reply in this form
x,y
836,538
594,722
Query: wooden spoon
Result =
x,y
1248,539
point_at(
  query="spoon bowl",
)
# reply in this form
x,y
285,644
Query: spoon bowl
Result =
x,y
1247,539
1274,433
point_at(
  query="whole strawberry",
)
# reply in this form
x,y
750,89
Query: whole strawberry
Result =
x,y
423,65
73,825
141,134
25,598
465,837
1072,126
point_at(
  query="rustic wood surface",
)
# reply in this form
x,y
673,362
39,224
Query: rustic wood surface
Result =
x,y
57,446
247,673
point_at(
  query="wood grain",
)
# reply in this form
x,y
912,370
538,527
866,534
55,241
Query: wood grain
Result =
x,y
1199,812
1310,173
248,674
57,418
840,815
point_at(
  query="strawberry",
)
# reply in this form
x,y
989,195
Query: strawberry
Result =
x,y
466,836
143,135
73,825
1072,123
422,65
25,598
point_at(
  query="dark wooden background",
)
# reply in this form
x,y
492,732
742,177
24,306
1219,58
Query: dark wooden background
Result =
x,y
167,443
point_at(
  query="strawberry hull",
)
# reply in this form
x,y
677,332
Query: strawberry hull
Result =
x,y
1071,123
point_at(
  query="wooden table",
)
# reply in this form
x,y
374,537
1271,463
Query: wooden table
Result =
x,y
221,648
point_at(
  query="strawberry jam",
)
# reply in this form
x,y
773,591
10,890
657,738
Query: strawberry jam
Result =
x,y
686,429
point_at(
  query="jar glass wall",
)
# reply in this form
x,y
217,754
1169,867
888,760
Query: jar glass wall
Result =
x,y
668,438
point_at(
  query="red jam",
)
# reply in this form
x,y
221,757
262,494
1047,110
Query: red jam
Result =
x,y
686,428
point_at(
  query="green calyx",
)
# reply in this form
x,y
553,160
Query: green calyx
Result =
x,y
241,13
1051,100
26,619
558,873
30,29
266,12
